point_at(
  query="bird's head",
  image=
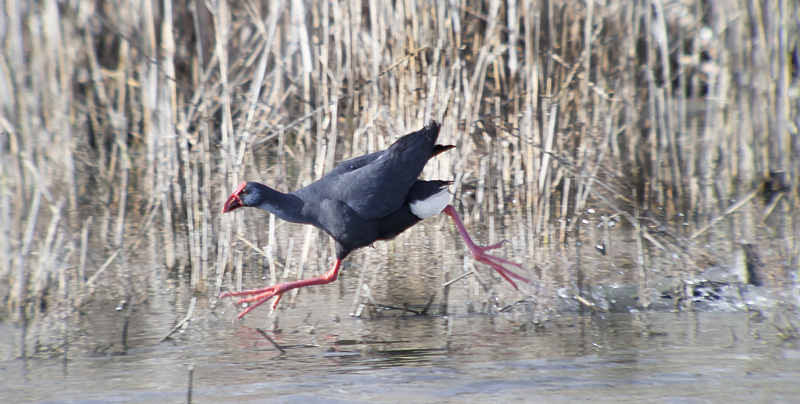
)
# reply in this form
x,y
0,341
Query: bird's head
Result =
x,y
246,195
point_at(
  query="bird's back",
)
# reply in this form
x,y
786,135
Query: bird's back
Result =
x,y
376,184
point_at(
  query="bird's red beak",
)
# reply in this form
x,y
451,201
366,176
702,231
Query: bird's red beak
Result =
x,y
234,202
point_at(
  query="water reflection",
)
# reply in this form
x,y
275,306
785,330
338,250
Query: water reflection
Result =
x,y
695,357
388,355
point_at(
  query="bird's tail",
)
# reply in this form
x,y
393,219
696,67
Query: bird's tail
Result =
x,y
439,149
420,140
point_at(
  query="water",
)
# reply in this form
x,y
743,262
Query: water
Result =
x,y
724,347
331,357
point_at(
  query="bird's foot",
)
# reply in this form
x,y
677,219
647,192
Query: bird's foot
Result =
x,y
259,296
497,263
480,255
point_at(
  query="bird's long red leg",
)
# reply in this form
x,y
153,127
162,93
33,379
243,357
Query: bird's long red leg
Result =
x,y
262,295
479,253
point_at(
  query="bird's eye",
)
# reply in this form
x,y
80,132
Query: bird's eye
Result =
x,y
244,192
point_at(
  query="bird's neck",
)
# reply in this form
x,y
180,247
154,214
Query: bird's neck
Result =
x,y
288,207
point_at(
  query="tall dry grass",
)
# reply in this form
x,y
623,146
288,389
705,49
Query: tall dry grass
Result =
x,y
125,124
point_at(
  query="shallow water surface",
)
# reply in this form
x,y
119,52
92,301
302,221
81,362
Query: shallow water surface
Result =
x,y
658,357
108,348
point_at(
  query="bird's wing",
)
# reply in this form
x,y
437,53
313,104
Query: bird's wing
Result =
x,y
354,164
376,184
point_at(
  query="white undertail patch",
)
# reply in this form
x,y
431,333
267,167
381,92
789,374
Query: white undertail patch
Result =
x,y
431,206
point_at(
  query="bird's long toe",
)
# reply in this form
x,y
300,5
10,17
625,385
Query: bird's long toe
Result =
x,y
499,264
502,261
259,296
254,298
494,246
251,292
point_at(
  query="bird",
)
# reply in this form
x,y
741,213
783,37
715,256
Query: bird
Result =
x,y
373,197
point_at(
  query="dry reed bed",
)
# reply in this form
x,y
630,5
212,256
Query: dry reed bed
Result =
x,y
126,124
